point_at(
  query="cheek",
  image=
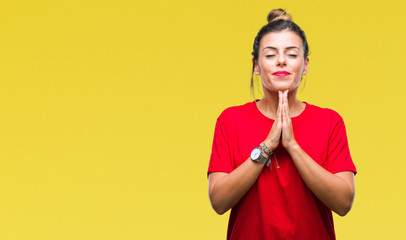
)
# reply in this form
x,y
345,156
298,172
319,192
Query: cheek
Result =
x,y
266,69
299,67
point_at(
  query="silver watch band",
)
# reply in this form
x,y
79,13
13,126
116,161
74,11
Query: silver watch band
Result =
x,y
263,159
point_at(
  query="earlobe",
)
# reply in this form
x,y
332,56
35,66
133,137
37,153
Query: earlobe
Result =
x,y
306,67
256,69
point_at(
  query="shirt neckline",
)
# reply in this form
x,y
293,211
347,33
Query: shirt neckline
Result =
x,y
259,113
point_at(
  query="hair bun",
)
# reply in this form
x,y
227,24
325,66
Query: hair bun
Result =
x,y
278,14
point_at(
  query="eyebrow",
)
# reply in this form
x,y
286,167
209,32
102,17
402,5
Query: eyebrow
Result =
x,y
274,48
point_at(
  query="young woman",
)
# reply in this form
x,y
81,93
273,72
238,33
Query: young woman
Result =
x,y
280,164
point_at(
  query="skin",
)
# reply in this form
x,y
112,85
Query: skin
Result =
x,y
282,51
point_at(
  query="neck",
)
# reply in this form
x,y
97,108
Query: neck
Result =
x,y
268,105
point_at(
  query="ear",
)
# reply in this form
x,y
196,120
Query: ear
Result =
x,y
256,67
306,67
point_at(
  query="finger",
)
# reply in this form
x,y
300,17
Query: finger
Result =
x,y
274,136
287,105
285,115
280,121
280,108
279,116
285,97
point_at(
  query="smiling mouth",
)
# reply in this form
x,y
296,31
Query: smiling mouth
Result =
x,y
281,74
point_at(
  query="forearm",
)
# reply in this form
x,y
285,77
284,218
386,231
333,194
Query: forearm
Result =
x,y
334,190
225,190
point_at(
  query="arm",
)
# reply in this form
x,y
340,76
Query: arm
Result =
x,y
225,190
336,191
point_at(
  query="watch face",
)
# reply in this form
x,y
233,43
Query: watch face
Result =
x,y
255,153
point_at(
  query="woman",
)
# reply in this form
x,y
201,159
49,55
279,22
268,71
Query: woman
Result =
x,y
280,164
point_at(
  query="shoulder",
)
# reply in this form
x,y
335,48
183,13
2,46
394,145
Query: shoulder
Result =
x,y
325,120
326,114
237,111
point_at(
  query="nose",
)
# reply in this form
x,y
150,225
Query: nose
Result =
x,y
281,61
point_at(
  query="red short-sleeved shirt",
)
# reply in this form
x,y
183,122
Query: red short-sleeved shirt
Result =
x,y
279,205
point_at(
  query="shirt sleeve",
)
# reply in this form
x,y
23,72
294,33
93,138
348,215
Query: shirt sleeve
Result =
x,y
220,159
339,158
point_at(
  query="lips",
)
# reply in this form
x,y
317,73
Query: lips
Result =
x,y
281,73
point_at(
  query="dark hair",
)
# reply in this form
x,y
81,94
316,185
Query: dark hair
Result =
x,y
278,20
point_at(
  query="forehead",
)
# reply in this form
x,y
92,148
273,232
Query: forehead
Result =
x,y
281,39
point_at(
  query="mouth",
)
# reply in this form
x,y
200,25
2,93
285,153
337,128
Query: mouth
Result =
x,y
281,74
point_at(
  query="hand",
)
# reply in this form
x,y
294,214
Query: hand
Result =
x,y
288,138
282,127
274,136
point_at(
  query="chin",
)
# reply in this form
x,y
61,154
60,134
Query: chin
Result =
x,y
283,87
280,88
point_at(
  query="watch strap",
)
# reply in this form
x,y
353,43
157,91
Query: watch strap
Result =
x,y
265,149
268,162
262,159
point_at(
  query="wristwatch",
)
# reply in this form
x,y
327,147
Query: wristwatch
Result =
x,y
256,156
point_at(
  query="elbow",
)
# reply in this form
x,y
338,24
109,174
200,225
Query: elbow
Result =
x,y
219,198
220,211
345,207
343,211
344,198
219,208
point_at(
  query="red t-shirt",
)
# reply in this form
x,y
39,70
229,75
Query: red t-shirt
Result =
x,y
280,205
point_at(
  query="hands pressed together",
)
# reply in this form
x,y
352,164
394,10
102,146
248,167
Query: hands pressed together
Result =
x,y
336,191
282,129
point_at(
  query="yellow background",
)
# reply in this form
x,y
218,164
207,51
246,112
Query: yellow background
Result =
x,y
108,110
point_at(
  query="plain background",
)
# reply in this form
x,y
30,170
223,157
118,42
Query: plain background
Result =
x,y
108,110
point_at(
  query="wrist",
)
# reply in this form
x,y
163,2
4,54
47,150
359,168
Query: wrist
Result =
x,y
265,150
270,145
292,147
